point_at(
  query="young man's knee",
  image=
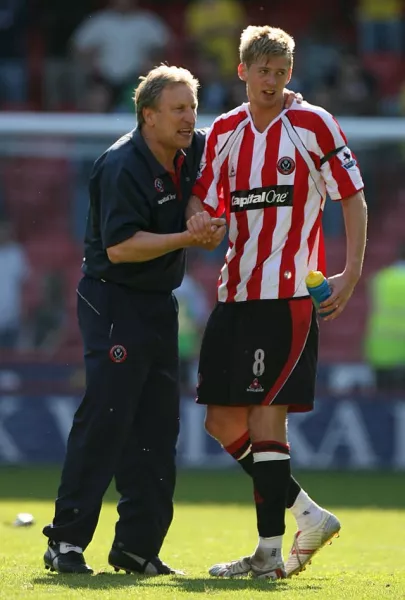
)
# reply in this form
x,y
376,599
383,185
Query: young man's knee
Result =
x,y
226,423
268,423
213,422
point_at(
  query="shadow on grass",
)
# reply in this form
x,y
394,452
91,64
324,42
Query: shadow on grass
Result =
x,y
332,488
181,584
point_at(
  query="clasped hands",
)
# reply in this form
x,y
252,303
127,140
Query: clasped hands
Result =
x,y
206,231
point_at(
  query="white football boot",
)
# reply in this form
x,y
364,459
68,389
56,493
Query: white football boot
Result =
x,y
309,541
236,568
260,565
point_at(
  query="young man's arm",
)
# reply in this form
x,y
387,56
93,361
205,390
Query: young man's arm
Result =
x,y
206,205
194,207
355,218
344,184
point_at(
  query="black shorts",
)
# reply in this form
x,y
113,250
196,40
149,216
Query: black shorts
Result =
x,y
260,352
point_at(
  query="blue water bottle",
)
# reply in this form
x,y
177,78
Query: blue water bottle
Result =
x,y
318,288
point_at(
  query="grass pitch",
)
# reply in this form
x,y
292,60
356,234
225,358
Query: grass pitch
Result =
x,y
215,521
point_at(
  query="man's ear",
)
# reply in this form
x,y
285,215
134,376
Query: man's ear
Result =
x,y
148,115
242,72
289,75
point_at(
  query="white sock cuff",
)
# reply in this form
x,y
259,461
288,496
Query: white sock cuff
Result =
x,y
264,456
302,502
268,543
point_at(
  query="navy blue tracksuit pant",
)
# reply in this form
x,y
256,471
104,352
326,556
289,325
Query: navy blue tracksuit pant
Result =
x,y
128,422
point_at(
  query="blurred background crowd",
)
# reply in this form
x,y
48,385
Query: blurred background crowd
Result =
x,y
87,57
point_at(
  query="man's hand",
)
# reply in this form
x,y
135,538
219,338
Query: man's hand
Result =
x,y
290,96
216,238
202,227
342,286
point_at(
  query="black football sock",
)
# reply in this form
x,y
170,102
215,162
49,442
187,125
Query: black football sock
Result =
x,y
271,479
241,451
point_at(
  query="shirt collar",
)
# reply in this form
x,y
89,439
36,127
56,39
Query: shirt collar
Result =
x,y
140,144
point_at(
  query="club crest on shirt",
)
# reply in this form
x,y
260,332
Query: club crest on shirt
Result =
x,y
346,158
118,353
159,185
285,165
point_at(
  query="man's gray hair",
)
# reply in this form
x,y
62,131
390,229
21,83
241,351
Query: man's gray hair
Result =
x,y
257,43
148,93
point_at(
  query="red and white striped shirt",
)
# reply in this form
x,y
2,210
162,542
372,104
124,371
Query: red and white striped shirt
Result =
x,y
273,202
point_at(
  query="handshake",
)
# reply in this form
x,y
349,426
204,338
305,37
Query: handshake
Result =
x,y
206,231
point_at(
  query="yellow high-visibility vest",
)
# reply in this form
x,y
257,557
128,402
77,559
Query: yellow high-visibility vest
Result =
x,y
380,10
385,337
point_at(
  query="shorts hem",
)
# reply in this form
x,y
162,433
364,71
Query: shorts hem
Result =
x,y
292,408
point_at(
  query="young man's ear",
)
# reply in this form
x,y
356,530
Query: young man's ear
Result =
x,y
242,72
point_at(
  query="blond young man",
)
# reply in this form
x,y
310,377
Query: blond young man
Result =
x,y
269,169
